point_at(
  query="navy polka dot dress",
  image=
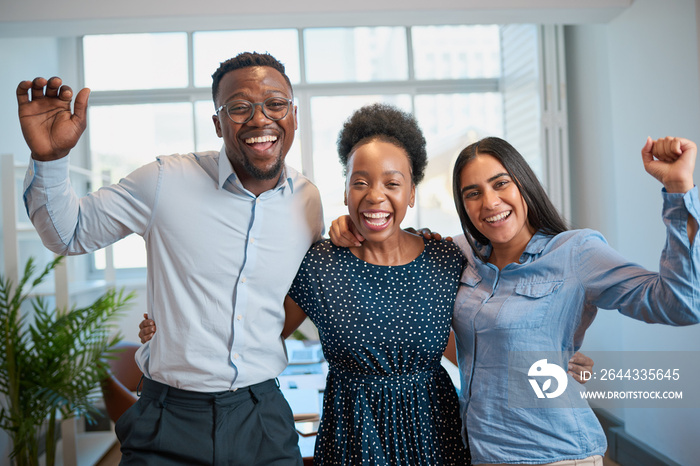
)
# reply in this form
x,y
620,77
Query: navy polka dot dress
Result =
x,y
383,329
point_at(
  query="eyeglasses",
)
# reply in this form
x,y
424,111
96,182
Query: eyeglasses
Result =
x,y
242,111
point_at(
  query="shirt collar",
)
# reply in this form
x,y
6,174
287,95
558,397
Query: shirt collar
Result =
x,y
537,243
226,172
534,247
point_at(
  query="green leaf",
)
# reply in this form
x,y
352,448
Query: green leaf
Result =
x,y
53,364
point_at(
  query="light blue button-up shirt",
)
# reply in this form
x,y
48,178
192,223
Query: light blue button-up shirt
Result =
x,y
220,260
536,305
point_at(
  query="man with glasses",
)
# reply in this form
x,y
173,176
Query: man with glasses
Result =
x,y
225,234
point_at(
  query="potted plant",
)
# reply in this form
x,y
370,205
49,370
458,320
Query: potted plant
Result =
x,y
51,365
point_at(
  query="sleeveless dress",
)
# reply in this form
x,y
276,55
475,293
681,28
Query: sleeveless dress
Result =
x,y
383,329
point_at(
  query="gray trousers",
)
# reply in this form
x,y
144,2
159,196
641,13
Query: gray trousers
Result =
x,y
168,426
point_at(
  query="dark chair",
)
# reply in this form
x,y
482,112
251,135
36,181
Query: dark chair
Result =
x,y
118,389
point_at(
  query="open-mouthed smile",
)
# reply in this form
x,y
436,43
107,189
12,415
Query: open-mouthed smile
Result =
x,y
376,220
498,217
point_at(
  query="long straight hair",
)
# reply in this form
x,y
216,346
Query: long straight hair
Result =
x,y
541,213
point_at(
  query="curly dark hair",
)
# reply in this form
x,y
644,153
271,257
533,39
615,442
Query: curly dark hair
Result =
x,y
245,60
385,123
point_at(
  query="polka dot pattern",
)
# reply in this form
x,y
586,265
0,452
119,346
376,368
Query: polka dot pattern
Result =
x,y
383,329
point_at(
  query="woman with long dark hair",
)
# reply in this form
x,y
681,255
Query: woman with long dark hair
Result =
x,y
530,283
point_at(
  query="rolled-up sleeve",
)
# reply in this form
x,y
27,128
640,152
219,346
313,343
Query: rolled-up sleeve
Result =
x,y
671,296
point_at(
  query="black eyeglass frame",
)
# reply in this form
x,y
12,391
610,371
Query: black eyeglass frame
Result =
x,y
252,105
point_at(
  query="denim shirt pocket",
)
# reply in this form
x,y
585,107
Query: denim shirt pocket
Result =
x,y
528,306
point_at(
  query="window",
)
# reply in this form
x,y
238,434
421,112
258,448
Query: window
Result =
x,y
362,54
110,61
152,96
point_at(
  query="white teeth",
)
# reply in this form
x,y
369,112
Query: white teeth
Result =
x,y
261,139
498,217
376,218
376,214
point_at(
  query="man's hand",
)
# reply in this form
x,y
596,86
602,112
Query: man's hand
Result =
x,y
579,363
344,234
48,125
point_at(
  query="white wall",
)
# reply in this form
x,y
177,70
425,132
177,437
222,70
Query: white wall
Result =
x,y
634,77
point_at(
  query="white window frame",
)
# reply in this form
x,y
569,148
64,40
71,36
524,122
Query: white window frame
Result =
x,y
553,139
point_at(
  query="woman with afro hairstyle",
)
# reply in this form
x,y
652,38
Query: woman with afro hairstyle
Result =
x,y
383,309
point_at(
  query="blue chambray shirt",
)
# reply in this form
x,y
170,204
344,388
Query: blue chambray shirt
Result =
x,y
220,260
537,305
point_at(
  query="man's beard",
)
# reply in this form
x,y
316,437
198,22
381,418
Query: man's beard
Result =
x,y
262,175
